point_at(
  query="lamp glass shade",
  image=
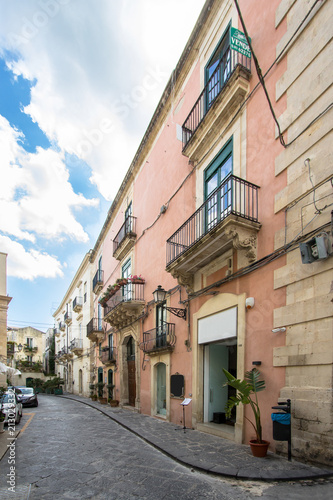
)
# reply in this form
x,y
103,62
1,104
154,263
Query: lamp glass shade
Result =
x,y
20,347
159,294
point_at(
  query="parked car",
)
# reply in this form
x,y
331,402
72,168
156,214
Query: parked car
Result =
x,y
28,396
11,407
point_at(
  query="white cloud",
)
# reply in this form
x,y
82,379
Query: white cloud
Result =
x,y
36,197
94,65
28,264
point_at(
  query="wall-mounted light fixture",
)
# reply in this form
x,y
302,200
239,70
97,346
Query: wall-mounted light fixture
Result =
x,y
249,303
160,295
20,347
277,330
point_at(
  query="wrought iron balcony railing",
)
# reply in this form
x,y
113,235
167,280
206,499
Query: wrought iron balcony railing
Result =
x,y
234,196
94,326
158,339
68,317
77,304
127,229
76,344
126,295
228,64
108,356
98,280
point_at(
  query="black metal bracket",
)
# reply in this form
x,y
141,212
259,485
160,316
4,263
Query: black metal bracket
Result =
x,y
180,313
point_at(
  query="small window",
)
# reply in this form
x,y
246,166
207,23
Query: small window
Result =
x,y
218,68
85,292
218,188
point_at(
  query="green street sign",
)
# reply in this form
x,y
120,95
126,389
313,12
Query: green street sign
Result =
x,y
239,43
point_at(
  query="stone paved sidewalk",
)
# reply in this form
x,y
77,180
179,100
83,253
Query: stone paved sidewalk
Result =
x,y
205,452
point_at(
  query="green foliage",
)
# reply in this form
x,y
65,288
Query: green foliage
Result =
x,y
247,390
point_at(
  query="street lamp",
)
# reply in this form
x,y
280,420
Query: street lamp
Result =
x,y
160,295
20,347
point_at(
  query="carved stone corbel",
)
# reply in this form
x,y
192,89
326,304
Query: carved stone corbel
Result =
x,y
185,280
242,240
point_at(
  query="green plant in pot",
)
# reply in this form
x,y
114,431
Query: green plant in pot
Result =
x,y
246,394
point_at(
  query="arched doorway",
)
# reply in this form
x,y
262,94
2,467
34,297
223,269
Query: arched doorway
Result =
x,y
100,382
70,378
110,384
131,371
161,389
80,381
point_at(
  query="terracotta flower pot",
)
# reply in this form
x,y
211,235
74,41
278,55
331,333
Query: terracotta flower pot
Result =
x,y
259,449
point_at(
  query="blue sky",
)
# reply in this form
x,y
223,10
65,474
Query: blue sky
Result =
x,y
74,104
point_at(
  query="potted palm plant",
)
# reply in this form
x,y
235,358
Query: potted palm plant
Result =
x,y
246,394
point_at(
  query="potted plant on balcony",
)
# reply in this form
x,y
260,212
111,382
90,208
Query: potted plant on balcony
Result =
x,y
138,280
121,281
246,394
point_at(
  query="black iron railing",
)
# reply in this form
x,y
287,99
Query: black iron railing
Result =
x,y
76,344
98,279
128,293
108,355
127,229
94,325
159,338
68,316
234,196
77,303
213,88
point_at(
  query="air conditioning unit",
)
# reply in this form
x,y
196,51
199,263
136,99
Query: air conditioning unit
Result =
x,y
318,248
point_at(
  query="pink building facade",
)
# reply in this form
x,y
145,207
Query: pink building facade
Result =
x,y
207,211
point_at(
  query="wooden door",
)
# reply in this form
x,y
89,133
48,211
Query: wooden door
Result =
x,y
131,382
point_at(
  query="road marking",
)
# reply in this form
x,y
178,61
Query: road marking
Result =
x,y
27,423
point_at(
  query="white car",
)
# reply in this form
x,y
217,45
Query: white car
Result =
x,y
11,408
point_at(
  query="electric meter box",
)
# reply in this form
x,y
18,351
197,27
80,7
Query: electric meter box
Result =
x,y
315,249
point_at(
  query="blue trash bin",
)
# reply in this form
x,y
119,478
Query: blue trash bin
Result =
x,y
281,426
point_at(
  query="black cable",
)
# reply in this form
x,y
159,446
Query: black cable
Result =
x,y
260,75
260,263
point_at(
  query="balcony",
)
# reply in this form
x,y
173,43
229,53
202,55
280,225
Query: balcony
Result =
x,y
77,304
76,346
29,366
29,349
222,95
10,348
98,281
157,340
125,306
125,238
56,332
62,326
108,356
95,332
227,219
68,318
61,355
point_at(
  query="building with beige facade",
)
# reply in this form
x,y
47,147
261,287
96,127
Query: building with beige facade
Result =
x,y
72,346
25,351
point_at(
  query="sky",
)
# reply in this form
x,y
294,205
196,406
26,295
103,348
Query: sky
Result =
x,y
79,83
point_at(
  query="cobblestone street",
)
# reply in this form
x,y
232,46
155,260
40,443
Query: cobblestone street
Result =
x,y
70,450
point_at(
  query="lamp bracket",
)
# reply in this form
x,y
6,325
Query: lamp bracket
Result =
x,y
181,313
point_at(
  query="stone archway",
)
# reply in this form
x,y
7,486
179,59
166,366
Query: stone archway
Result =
x,y
80,381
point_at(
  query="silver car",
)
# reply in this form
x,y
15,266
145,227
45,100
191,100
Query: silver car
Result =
x,y
11,408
